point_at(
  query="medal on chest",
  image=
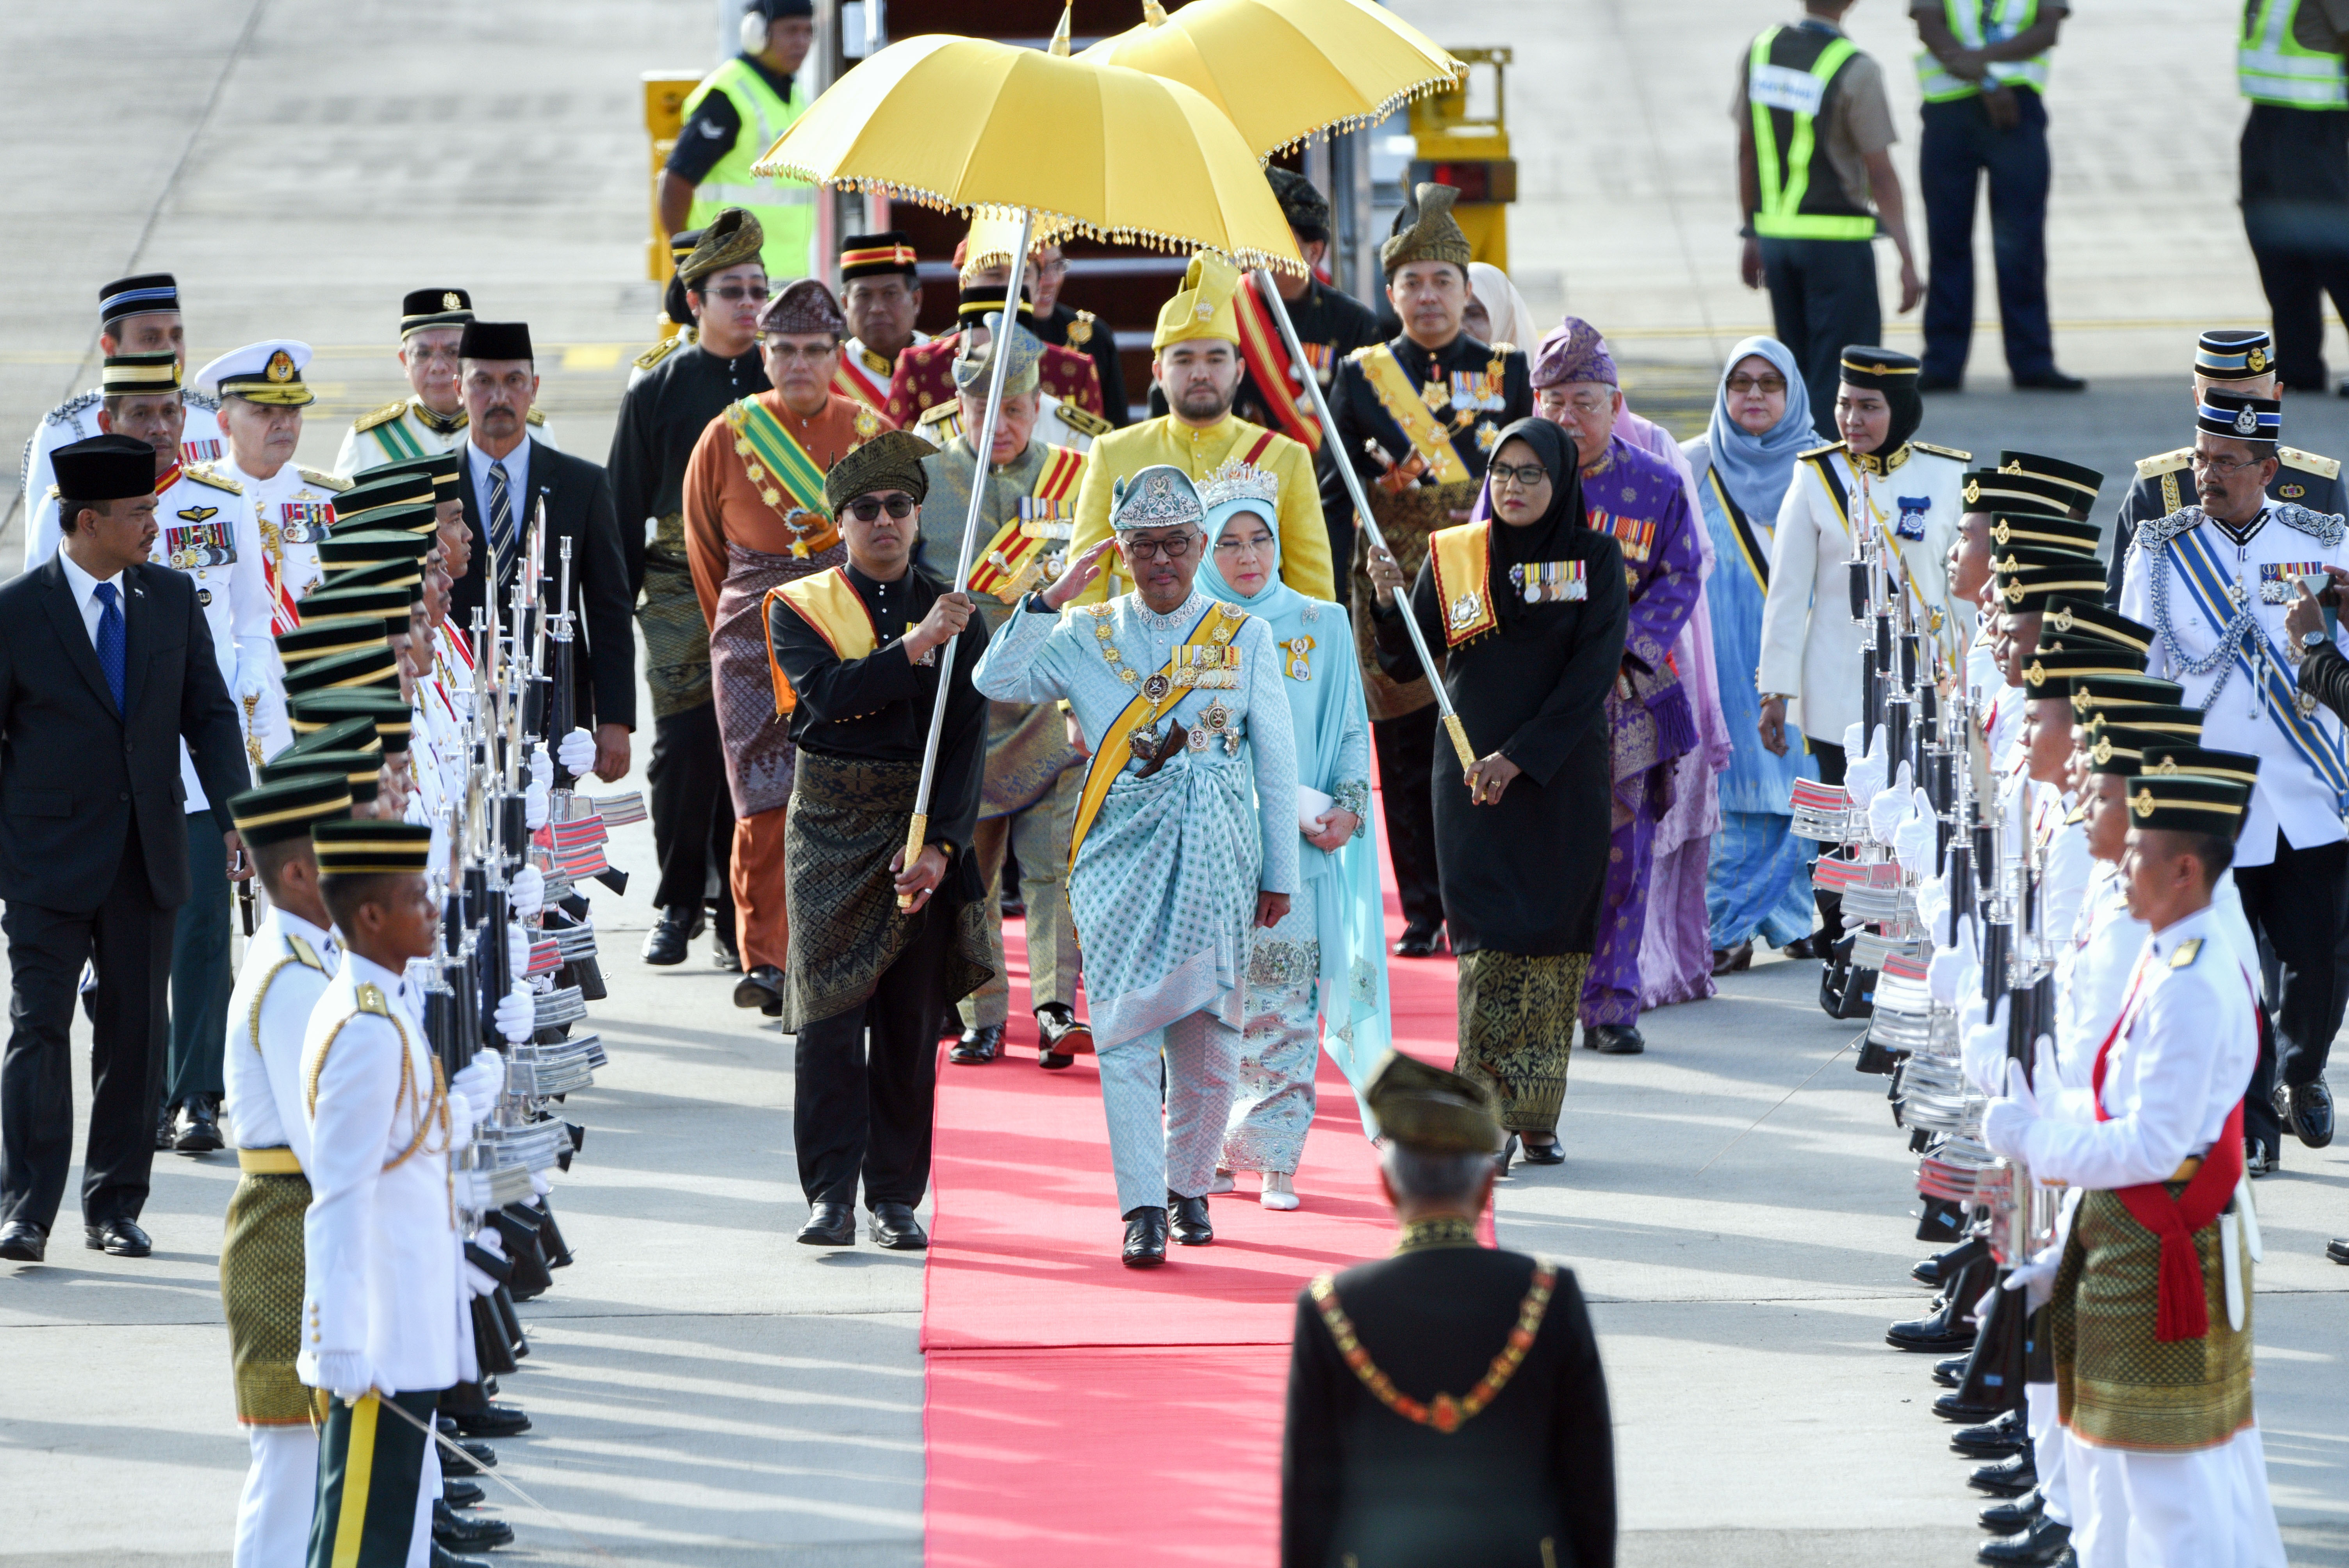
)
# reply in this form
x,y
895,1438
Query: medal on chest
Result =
x,y
1296,657
198,537
304,519
1549,582
1636,535
2279,580
1909,522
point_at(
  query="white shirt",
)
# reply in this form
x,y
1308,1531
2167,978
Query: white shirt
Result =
x,y
75,419
84,592
277,989
517,466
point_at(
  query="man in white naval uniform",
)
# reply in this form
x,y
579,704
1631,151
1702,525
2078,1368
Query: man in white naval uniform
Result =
x,y
135,315
262,396
2216,580
431,418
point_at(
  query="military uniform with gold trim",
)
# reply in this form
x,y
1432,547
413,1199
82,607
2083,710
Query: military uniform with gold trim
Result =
x,y
2165,484
407,429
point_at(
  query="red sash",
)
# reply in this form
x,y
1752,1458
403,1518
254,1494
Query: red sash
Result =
x,y
1267,354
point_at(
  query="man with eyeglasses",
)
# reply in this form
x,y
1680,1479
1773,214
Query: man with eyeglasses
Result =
x,y
881,291
2228,360
1065,327
2216,579
662,415
921,383
755,520
431,418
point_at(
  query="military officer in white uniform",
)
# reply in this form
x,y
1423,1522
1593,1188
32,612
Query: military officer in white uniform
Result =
x,y
135,315
2215,580
431,418
262,396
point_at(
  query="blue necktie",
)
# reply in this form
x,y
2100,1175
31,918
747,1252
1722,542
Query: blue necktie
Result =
x,y
501,524
109,642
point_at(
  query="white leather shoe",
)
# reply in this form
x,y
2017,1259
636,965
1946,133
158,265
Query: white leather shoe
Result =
x,y
1280,1192
1222,1183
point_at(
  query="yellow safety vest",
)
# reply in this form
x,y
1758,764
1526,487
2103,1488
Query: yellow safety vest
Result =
x,y
2270,67
1787,100
785,208
1977,24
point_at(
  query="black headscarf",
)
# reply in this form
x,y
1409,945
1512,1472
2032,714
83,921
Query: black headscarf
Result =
x,y
1545,540
1895,375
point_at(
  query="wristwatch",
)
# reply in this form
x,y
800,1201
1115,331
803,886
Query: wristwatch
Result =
x,y
2311,638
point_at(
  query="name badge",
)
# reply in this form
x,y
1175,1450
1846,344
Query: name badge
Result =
x,y
1910,523
1783,86
2279,580
1636,535
191,545
1551,581
304,521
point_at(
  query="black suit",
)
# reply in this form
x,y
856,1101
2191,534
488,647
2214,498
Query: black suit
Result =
x,y
93,862
578,498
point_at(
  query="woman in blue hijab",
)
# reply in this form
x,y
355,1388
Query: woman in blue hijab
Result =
x,y
1320,976
1755,884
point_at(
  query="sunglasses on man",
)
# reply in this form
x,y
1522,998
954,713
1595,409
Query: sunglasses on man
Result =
x,y
868,508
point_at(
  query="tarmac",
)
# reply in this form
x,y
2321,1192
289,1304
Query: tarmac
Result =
x,y
1736,1201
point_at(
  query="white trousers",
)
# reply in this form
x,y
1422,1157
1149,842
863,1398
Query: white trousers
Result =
x,y
281,1489
2208,1509
2049,1443
1168,1146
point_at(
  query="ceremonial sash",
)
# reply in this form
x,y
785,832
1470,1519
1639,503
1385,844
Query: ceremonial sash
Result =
x,y
283,616
828,602
2206,585
1013,560
1409,410
1262,346
1463,558
854,381
1216,629
171,477
789,470
1756,554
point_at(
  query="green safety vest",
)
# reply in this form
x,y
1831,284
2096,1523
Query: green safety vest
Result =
x,y
1977,22
785,208
2271,66
1787,101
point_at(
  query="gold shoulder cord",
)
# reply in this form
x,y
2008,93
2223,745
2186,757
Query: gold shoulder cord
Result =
x,y
436,1109
261,995
1444,1413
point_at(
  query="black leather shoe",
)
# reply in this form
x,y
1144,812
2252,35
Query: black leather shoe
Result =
x,y
1550,1153
167,1131
443,1558
21,1240
1058,1036
2006,1518
978,1045
1145,1238
2258,1159
460,1493
1729,959
491,1421
1949,1374
470,1458
1615,1040
671,936
895,1228
467,1534
2337,1249
2007,1478
1188,1217
761,987
2050,380
202,1135
1419,941
1801,947
724,955
120,1237
2038,1544
1939,1334
1952,1408
1993,1439
2307,1110
829,1225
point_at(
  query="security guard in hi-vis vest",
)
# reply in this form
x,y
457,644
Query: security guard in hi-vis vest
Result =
x,y
2296,175
730,121
2229,361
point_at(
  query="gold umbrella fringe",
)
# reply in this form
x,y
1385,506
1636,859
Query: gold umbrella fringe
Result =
x,y
1354,122
1066,223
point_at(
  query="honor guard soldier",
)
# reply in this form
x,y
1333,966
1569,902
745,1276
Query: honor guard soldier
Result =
x,y
729,122
2225,360
135,315
384,1323
881,292
431,418
2217,579
1445,1404
287,964
1330,324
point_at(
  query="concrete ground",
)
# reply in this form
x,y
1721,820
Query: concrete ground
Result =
x,y
707,1393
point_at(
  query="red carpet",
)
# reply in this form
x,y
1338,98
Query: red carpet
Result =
x,y
1070,1398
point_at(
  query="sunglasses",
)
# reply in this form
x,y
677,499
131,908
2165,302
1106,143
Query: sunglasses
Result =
x,y
735,294
867,508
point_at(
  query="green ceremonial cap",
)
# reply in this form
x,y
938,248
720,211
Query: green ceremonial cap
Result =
x,y
356,733
363,666
360,848
2059,534
2024,590
367,599
2167,759
314,711
2188,803
360,770
327,636
373,495
2076,622
281,812
371,547
2181,725
2121,695
2119,748
2051,674
444,470
403,574
1430,1109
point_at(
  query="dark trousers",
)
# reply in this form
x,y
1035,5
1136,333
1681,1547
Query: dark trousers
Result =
x,y
692,812
370,1469
1407,792
1822,301
866,1080
2295,186
201,976
1959,147
2295,904
1831,762
129,938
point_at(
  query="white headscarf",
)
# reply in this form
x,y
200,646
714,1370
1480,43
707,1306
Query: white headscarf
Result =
x,y
1512,321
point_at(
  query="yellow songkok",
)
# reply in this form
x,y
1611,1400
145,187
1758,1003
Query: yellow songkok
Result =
x,y
1203,307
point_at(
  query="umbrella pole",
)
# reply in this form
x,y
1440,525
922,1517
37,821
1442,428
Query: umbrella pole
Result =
x,y
1344,465
983,448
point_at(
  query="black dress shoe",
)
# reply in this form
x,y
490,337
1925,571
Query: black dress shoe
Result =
x,y
167,1132
1548,1153
895,1228
1801,947
1145,1238
2007,1477
2050,380
1729,959
2307,1110
671,936
1954,1407
120,1237
467,1534
443,1558
2038,1544
724,955
1949,1374
470,1458
21,1240
978,1045
1419,941
829,1225
1188,1217
1993,1439
2258,1159
1058,1036
761,987
2006,1518
202,1134
460,1493
1614,1040
2337,1249
1938,1334
491,1421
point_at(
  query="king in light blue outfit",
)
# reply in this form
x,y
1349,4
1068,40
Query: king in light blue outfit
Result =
x,y
1164,877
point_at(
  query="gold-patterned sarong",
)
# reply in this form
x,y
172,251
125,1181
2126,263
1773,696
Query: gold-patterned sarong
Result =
x,y
261,1293
2116,1385
1516,1031
677,638
1406,519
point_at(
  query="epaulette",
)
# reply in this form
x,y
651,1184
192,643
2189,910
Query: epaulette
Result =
x,y
2308,462
66,410
1500,348
205,474
2157,532
335,482
2321,526
1081,331
1943,451
947,411
1359,354
659,351
383,416
305,953
1819,451
1085,421
534,418
195,399
2167,463
370,1000
2187,950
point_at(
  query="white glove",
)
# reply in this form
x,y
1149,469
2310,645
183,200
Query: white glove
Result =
x,y
345,1375
251,681
517,952
1855,745
516,1014
2037,1277
1866,775
1913,841
2008,1121
1981,1047
526,894
1887,806
1952,967
534,805
542,767
479,1081
478,1283
577,751
540,1184
1932,899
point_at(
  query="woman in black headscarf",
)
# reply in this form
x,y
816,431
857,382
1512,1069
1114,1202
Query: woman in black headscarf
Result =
x,y
1528,612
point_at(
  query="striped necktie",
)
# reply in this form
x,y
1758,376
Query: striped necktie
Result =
x,y
501,522
110,651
